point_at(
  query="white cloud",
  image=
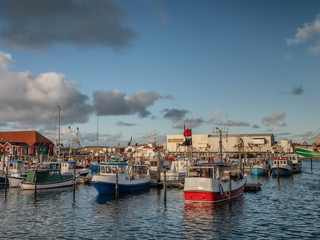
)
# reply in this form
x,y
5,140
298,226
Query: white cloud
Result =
x,y
29,99
308,32
314,50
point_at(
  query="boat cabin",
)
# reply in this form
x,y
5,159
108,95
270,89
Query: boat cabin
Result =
x,y
140,171
213,170
45,176
67,166
280,162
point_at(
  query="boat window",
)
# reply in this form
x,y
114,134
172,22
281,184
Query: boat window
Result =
x,y
114,170
108,170
122,169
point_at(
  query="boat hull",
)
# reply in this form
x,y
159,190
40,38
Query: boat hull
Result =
x,y
15,181
307,153
2,180
60,184
282,171
211,190
297,168
258,171
105,188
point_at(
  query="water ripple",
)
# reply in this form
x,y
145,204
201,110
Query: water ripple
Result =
x,y
288,208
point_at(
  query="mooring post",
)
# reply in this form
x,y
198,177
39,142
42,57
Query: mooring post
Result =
x,y
165,185
74,183
117,182
35,181
278,171
158,171
6,178
291,169
230,188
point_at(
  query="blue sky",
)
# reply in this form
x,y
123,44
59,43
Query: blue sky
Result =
x,y
127,68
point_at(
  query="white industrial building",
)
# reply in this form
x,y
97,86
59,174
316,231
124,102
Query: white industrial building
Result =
x,y
248,143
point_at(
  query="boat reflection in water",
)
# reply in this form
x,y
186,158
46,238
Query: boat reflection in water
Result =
x,y
108,198
211,220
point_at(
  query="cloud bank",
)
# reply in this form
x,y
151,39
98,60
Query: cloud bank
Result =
x,y
309,32
30,99
38,24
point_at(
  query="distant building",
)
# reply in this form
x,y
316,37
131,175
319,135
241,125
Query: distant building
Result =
x,y
25,143
249,143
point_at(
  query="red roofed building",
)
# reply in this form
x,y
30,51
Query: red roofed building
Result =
x,y
25,143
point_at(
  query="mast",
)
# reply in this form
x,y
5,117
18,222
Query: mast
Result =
x,y
218,130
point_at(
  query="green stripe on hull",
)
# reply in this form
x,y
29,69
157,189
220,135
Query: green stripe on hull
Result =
x,y
307,153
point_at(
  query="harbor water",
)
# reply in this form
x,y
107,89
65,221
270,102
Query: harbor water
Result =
x,y
284,209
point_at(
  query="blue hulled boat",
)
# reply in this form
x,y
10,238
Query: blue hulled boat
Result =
x,y
2,178
131,178
259,167
281,165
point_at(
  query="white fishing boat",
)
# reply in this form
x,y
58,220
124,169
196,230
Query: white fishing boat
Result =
x,y
17,172
260,167
128,178
209,182
281,167
68,167
176,173
295,161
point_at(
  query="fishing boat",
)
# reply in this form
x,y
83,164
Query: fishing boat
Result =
x,y
2,178
46,179
259,167
209,182
83,173
17,172
296,162
68,167
281,167
128,178
308,153
176,173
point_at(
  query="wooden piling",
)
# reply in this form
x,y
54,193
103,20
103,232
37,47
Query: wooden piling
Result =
x,y
35,181
278,171
164,185
229,187
117,184
158,169
6,179
74,184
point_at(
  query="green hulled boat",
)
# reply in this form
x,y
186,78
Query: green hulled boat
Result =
x,y
307,153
